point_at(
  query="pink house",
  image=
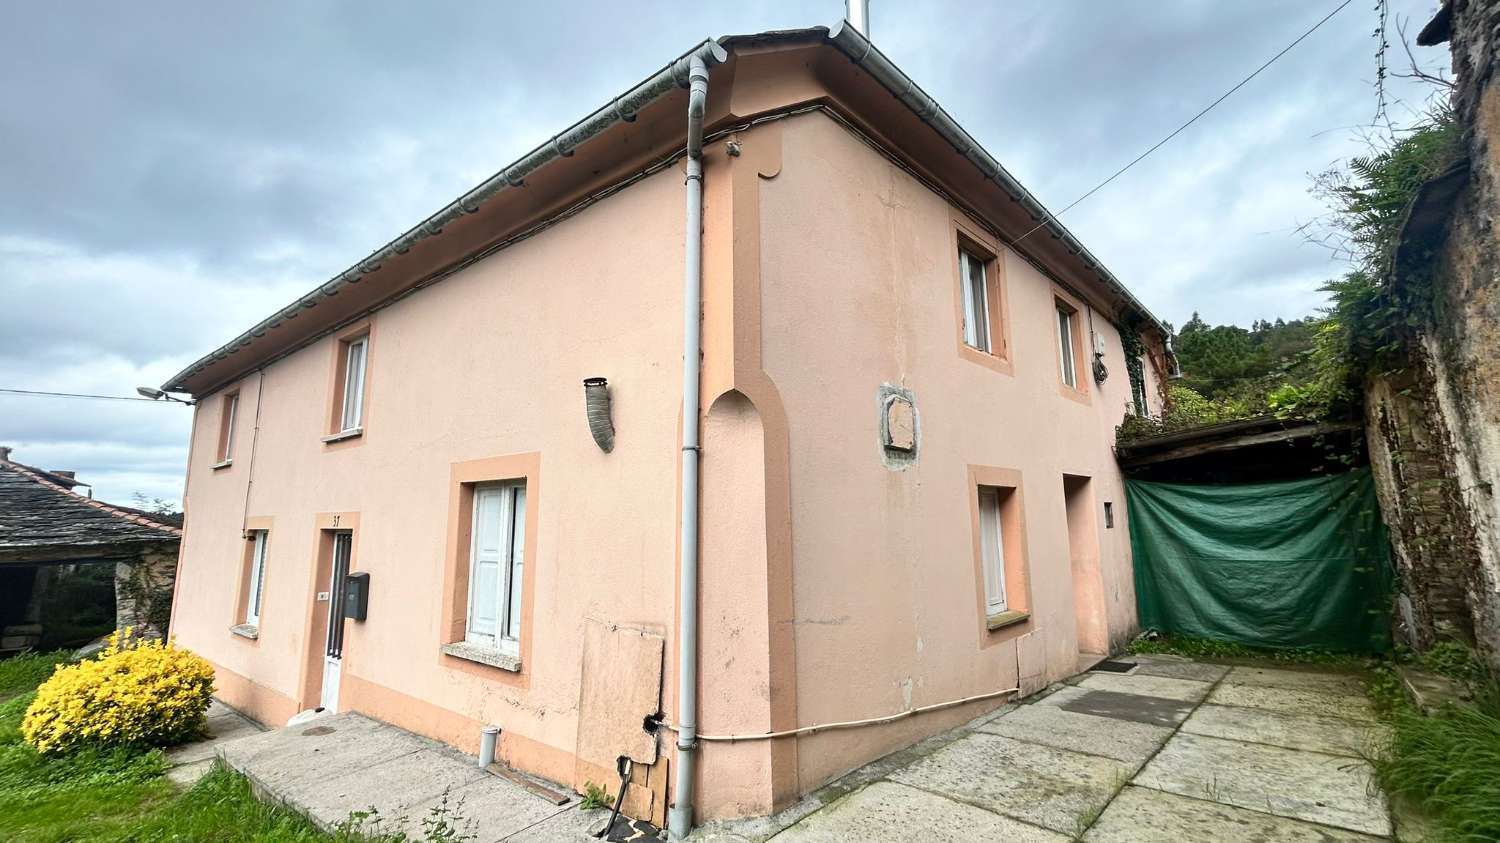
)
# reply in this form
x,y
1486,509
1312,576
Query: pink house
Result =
x,y
852,462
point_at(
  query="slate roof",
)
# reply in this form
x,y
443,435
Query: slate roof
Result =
x,y
38,512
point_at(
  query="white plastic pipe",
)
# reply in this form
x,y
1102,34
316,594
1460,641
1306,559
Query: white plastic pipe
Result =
x,y
680,817
487,737
857,12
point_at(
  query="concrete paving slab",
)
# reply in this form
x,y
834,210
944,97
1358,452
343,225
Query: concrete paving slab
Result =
x,y
1294,702
220,730
304,756
565,825
1297,680
187,775
1140,814
1054,726
760,829
889,811
1333,735
1052,788
1181,670
396,787
1327,789
1187,690
1154,711
492,808
284,741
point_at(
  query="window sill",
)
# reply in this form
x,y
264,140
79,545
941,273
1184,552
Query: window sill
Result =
x,y
246,630
999,362
1003,619
221,464
351,433
483,655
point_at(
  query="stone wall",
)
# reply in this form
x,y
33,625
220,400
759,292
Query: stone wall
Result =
x,y
143,590
1434,426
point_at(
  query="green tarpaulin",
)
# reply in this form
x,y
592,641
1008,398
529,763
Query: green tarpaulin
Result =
x,y
1303,563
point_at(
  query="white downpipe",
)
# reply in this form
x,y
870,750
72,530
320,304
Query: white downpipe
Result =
x,y
680,817
857,12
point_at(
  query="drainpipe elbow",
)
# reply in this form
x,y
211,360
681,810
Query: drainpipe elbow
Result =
x,y
697,104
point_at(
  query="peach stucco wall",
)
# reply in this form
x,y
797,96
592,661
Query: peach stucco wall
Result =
x,y
858,289
833,587
488,363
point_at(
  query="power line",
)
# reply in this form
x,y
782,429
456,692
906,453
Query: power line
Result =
x,y
1159,144
41,394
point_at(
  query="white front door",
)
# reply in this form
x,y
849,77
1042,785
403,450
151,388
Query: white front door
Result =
x,y
333,655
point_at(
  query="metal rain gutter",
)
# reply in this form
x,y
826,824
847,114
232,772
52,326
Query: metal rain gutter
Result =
x,y
621,109
869,58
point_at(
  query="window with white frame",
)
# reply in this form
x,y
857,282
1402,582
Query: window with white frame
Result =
x,y
230,406
992,551
257,577
976,296
354,383
1065,346
496,557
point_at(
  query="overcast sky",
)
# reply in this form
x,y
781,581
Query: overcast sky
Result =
x,y
170,173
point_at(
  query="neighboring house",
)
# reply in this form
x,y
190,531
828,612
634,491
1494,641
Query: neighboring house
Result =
x,y
46,527
908,494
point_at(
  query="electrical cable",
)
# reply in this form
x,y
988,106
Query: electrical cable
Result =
x,y
42,394
846,724
1175,132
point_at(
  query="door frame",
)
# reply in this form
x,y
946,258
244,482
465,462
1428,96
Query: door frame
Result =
x,y
315,628
333,664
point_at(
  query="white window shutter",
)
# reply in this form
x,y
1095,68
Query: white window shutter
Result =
x,y
485,571
517,561
992,551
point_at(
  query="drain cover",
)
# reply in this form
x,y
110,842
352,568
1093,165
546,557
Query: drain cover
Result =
x,y
1110,666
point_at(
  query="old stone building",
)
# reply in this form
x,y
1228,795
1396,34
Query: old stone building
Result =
x,y
48,532
1434,426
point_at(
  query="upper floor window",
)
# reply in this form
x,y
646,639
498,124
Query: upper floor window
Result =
x,y
976,300
228,408
1066,357
355,352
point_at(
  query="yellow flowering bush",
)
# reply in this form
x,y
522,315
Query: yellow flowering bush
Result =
x,y
135,692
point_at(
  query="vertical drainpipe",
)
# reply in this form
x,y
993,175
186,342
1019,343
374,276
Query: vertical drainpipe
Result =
x,y
680,817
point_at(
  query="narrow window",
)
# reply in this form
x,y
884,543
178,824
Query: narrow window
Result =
x,y
1109,515
257,578
1065,346
230,405
976,297
354,383
992,551
495,568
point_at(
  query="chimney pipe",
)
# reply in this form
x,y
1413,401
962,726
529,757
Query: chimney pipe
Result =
x,y
857,12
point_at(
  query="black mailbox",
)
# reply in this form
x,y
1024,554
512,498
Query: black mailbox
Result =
x,y
356,596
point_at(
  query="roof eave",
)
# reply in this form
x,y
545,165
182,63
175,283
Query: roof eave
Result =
x,y
844,37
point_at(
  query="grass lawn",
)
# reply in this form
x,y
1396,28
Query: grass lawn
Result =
x,y
121,795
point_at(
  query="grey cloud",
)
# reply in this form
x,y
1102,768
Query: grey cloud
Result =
x,y
175,171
